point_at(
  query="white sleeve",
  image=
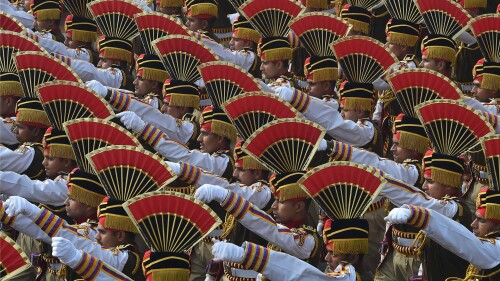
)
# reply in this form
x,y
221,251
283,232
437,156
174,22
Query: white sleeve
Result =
x,y
406,172
52,192
241,58
357,134
258,193
7,137
111,77
16,160
295,242
280,266
105,272
401,193
459,240
53,46
177,152
24,18
25,225
377,114
176,129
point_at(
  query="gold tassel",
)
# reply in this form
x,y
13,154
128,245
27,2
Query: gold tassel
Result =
x,y
446,177
350,246
359,26
171,3
33,116
471,4
413,142
492,211
203,9
441,52
491,82
229,225
86,197
120,223
154,74
402,39
189,190
177,274
11,88
362,104
117,54
317,4
291,191
184,100
251,163
224,129
83,35
48,14
325,74
247,34
278,54
62,151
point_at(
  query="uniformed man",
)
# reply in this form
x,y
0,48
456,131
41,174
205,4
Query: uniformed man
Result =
x,y
149,78
47,15
358,14
201,16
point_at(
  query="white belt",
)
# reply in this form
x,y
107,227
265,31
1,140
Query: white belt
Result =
x,y
405,242
215,233
243,273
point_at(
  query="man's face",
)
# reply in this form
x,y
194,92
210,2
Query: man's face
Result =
x,y
54,165
107,238
431,64
237,44
209,143
353,115
333,260
171,11
398,50
400,154
24,133
143,86
104,63
195,24
434,189
246,177
75,209
270,69
482,227
42,25
7,106
481,94
318,89
285,211
70,43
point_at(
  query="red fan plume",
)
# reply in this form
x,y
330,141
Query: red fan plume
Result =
x,y
35,68
12,260
115,18
443,17
250,111
224,80
171,221
127,171
9,23
181,55
343,190
10,44
486,29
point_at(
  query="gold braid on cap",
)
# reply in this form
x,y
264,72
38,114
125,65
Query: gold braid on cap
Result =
x,y
317,30
225,80
181,56
35,68
415,86
453,127
154,25
89,134
64,101
128,171
250,111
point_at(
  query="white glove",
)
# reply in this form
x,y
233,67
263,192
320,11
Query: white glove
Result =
x,y
97,87
176,167
131,121
323,145
210,192
319,228
398,216
223,251
16,205
63,249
